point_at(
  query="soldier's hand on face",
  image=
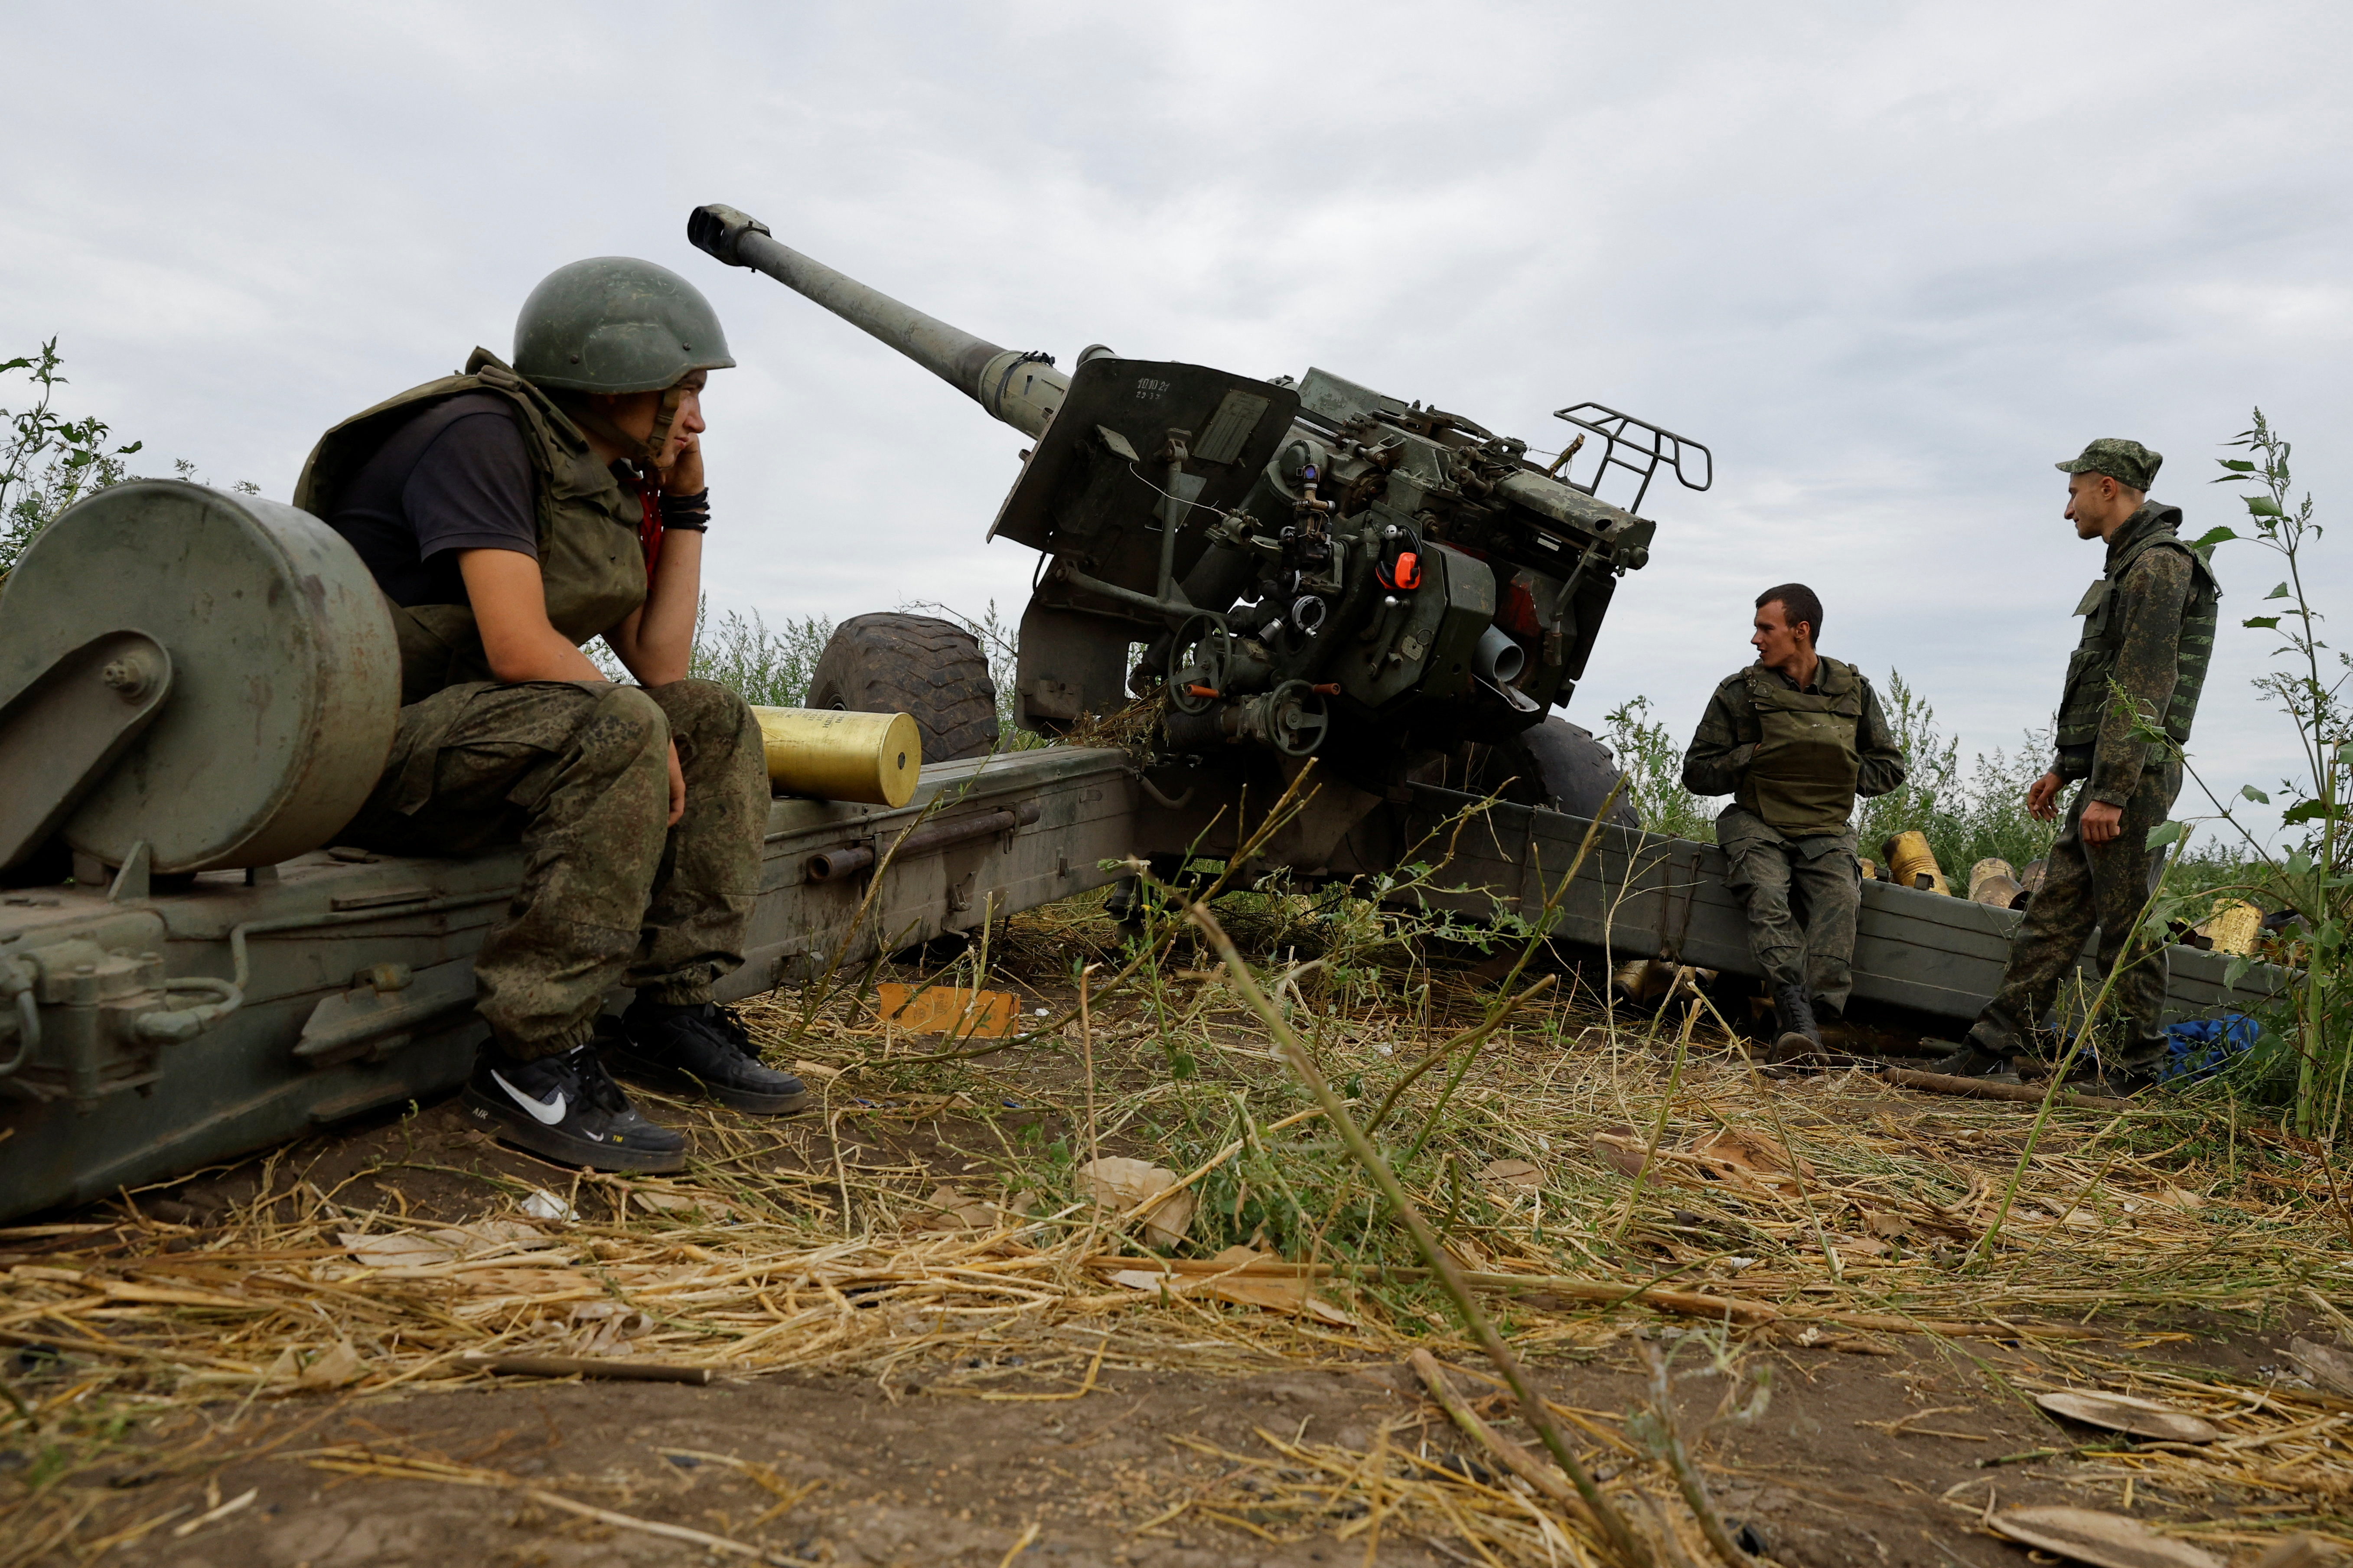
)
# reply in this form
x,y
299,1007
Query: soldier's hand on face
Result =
x,y
2043,797
676,786
2100,822
684,475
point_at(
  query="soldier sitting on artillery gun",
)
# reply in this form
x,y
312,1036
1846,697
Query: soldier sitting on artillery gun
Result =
x,y
1794,738
509,515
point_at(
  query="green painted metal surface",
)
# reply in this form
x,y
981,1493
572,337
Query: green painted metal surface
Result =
x,y
1642,896
316,1041
285,676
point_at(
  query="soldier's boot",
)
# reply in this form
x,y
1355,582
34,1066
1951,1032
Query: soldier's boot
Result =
x,y
2132,1073
703,1050
1830,1023
1799,1039
1124,905
565,1108
1973,1060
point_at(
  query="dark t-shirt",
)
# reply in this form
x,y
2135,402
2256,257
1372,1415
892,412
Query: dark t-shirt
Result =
x,y
455,477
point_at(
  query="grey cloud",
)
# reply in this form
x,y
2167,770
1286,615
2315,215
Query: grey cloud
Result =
x,y
1890,261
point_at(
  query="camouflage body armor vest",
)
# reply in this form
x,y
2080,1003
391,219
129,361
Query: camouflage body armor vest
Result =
x,y
591,563
2085,698
1801,777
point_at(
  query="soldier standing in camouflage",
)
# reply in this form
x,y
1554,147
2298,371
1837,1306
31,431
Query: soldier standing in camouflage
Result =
x,y
2149,631
1794,738
509,515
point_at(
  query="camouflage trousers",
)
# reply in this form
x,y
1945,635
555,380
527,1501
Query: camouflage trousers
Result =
x,y
1801,896
2083,886
577,772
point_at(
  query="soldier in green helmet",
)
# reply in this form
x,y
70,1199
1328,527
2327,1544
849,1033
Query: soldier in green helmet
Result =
x,y
1794,738
2148,632
510,514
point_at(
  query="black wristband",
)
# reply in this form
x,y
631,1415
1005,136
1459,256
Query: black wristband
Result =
x,y
670,527
680,511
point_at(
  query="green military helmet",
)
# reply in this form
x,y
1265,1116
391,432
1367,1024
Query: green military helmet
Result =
x,y
613,323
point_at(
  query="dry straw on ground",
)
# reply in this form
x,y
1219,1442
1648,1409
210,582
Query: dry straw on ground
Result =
x,y
1578,1159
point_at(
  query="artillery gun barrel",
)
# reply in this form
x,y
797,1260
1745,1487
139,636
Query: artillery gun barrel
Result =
x,y
1021,389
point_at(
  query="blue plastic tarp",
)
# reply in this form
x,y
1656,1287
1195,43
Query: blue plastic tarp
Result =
x,y
2201,1047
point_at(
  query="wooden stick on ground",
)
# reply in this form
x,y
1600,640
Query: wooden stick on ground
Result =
x,y
1743,1311
1514,1458
1687,1303
586,1366
1979,1088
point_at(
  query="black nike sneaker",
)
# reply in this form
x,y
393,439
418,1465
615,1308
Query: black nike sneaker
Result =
x,y
703,1050
567,1109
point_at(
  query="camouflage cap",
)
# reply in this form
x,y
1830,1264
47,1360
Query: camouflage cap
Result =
x,y
2128,463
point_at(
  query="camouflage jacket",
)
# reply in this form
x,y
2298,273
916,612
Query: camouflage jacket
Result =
x,y
1730,730
2150,599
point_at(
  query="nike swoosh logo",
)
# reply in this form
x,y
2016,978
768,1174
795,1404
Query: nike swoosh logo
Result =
x,y
547,1112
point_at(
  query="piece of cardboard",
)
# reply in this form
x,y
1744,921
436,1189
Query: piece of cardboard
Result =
x,y
948,1010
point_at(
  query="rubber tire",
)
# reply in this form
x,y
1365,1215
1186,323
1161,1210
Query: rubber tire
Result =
x,y
1560,766
932,670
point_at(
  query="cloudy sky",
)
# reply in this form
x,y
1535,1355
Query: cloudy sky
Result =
x,y
1890,261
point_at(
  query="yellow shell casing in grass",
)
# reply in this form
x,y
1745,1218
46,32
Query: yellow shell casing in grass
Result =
x,y
2232,927
1909,858
871,758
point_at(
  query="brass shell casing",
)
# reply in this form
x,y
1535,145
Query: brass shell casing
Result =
x,y
2232,927
831,754
1909,858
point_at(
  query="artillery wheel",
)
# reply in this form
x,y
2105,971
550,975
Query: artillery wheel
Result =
x,y
932,670
1557,764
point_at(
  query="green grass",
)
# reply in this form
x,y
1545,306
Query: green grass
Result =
x,y
768,666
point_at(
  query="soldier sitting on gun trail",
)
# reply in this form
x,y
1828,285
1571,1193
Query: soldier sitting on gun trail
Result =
x,y
510,515
2148,630
1794,738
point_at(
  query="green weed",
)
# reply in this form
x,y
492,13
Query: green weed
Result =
x,y
50,462
767,666
2305,1059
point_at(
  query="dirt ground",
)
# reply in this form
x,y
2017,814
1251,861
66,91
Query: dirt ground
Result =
x,y
906,1478
1875,1448
1876,1451
1176,1442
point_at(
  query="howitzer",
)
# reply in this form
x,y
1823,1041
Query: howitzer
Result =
x,y
1312,568
198,689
